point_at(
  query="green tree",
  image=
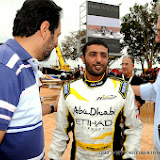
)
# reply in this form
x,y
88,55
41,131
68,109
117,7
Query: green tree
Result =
x,y
139,29
71,45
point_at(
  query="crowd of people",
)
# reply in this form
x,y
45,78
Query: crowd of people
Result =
x,y
148,75
100,110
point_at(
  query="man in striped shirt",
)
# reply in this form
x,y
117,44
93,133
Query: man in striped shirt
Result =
x,y
36,30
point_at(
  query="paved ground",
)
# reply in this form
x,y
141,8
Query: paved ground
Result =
x,y
147,113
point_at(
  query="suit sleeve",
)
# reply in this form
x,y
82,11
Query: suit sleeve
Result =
x,y
60,134
133,126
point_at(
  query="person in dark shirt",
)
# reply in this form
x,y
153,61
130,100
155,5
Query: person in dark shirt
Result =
x,y
128,75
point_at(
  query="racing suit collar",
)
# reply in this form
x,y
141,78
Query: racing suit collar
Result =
x,y
95,83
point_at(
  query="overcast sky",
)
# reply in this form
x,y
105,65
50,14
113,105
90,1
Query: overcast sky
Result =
x,y
70,18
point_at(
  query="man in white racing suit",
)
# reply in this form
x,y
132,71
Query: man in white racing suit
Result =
x,y
91,108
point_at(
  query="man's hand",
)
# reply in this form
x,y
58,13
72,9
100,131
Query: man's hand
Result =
x,y
46,108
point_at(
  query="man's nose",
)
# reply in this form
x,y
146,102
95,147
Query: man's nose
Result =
x,y
123,66
98,58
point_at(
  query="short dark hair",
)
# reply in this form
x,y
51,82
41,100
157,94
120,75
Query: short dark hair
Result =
x,y
129,56
32,14
95,41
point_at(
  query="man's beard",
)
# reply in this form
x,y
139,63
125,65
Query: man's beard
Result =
x,y
94,73
46,56
47,49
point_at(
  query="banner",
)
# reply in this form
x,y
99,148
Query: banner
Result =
x,y
103,22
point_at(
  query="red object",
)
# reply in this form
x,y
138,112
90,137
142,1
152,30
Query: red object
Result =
x,y
137,116
115,71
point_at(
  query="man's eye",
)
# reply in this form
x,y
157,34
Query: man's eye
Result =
x,y
92,54
104,55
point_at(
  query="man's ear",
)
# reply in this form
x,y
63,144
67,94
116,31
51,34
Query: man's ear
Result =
x,y
44,29
82,57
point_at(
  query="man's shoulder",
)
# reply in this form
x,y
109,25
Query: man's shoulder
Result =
x,y
136,80
72,84
122,85
117,78
6,54
75,83
5,51
8,58
136,77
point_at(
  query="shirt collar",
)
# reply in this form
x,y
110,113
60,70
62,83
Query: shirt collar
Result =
x,y
17,48
95,83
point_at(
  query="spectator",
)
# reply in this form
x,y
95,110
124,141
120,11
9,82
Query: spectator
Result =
x,y
35,31
151,92
128,75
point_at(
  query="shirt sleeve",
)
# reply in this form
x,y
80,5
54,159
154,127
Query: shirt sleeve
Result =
x,y
133,126
9,95
60,134
148,91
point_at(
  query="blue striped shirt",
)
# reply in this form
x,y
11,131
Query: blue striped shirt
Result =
x,y
151,92
20,106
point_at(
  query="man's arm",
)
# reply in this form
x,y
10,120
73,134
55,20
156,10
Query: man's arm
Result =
x,y
50,108
2,133
136,89
9,97
147,91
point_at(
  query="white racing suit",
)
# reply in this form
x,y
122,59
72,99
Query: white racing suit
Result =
x,y
92,111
